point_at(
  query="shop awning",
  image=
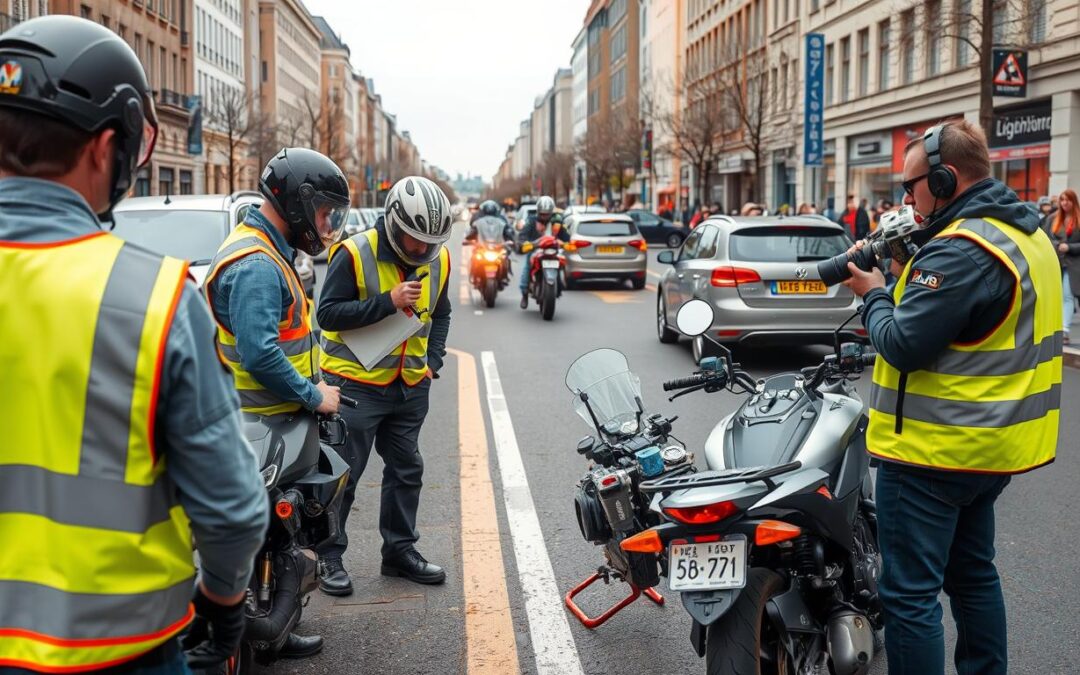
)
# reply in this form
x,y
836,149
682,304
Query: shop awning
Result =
x,y
1023,152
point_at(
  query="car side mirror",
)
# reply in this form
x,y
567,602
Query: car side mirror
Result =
x,y
666,257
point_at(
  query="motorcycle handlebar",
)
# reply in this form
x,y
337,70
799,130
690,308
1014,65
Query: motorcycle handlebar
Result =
x,y
868,359
684,382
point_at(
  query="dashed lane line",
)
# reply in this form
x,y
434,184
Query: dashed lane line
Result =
x,y
489,629
552,642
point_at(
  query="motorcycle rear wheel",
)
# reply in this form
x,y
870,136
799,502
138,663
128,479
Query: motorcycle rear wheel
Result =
x,y
743,641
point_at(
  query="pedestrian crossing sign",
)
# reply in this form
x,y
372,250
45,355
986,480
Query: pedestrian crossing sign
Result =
x,y
1010,73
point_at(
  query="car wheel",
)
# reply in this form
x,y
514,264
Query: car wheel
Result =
x,y
666,335
674,240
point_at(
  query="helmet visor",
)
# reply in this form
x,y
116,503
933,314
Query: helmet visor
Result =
x,y
411,250
149,131
327,216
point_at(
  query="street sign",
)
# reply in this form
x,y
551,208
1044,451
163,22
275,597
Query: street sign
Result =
x,y
1010,73
814,102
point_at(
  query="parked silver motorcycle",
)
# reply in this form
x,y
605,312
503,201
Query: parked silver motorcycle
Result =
x,y
773,547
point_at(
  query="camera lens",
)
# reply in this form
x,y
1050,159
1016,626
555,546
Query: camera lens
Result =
x,y
834,270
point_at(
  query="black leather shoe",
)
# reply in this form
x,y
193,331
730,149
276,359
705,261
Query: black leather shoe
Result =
x,y
333,579
524,300
299,647
412,566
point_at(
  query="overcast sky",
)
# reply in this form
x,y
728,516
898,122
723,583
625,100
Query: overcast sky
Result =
x,y
459,74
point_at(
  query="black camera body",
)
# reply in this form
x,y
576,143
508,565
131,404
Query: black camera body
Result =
x,y
891,240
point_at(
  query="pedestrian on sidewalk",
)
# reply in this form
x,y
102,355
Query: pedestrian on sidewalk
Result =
x,y
123,444
1064,230
400,265
973,313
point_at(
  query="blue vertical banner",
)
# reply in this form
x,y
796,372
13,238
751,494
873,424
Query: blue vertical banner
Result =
x,y
814,102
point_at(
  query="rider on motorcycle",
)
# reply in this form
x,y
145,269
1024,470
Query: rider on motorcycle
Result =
x,y
488,208
537,227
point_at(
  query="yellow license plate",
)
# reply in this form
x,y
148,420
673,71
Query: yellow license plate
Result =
x,y
798,287
616,250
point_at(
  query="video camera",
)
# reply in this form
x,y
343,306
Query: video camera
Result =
x,y
891,240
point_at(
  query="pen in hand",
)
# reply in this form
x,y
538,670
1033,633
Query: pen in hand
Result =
x,y
412,307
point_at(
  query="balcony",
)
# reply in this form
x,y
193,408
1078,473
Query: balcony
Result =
x,y
173,100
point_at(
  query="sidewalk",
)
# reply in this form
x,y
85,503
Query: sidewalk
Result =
x,y
1072,356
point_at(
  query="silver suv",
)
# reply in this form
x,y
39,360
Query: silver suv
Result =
x,y
760,276
192,227
605,245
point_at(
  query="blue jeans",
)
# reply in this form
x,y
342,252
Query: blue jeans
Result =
x,y
525,267
936,531
1067,297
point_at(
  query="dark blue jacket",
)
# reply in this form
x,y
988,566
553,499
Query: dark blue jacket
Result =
x,y
975,292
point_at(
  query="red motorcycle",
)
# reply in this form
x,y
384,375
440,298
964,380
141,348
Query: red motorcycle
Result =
x,y
545,272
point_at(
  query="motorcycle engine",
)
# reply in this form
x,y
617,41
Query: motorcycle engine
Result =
x,y
850,642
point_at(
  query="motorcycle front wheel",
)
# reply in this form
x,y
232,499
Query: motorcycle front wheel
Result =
x,y
744,641
490,289
547,302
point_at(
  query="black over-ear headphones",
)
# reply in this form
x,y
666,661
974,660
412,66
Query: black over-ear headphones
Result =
x,y
940,179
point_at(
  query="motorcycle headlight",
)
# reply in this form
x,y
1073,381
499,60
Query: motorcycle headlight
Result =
x,y
491,256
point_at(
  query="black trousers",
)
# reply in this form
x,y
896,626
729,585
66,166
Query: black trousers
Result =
x,y
388,418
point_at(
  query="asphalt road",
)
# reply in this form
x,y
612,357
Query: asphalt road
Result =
x,y
494,617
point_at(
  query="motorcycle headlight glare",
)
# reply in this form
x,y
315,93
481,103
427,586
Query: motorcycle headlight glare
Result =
x,y
491,256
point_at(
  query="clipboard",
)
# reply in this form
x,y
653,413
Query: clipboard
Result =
x,y
371,344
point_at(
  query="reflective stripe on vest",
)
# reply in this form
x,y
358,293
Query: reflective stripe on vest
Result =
x,y
992,406
96,568
294,331
374,276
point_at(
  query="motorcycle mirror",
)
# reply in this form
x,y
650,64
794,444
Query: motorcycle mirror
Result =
x,y
585,445
694,318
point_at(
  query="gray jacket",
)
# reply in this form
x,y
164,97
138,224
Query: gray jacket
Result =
x,y
1070,261
198,425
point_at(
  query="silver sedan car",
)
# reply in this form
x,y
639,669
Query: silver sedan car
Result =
x,y
759,274
605,245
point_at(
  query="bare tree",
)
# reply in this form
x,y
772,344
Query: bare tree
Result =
x,y
557,173
978,25
594,151
696,133
509,189
312,116
232,118
748,96
625,132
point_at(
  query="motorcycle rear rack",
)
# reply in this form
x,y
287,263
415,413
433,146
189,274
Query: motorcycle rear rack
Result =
x,y
672,483
596,622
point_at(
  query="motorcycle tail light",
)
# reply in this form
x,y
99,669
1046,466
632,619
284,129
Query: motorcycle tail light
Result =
x,y
643,542
283,509
774,532
639,244
702,515
729,277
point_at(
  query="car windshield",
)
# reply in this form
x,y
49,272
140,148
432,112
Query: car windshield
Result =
x,y
190,235
786,244
489,230
354,217
613,391
615,228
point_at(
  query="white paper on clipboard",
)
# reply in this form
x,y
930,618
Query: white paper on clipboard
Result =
x,y
373,343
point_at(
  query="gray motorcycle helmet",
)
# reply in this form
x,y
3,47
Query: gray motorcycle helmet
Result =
x,y
417,207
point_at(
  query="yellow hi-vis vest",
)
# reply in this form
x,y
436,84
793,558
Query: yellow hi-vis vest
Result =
x,y
96,563
991,406
373,276
294,331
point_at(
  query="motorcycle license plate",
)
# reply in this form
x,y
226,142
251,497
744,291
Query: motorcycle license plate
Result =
x,y
708,566
549,264
798,287
491,272
610,250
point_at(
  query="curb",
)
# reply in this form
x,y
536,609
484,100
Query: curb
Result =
x,y
1071,357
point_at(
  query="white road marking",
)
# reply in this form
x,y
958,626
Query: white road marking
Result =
x,y
552,641
479,312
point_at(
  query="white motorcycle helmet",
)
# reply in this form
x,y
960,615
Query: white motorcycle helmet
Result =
x,y
545,209
418,208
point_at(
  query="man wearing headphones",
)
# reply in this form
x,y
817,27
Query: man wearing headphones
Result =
x,y
966,393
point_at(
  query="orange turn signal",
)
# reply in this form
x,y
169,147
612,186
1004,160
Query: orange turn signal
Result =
x,y
643,542
775,531
283,509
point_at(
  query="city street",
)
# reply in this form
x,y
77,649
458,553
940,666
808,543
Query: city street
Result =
x,y
497,511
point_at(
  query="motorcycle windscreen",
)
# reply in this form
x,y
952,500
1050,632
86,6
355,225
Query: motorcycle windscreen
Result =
x,y
489,230
613,392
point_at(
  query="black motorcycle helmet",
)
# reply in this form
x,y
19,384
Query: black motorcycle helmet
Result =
x,y
80,73
490,208
310,194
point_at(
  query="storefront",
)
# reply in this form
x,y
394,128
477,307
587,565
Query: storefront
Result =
x,y
783,179
901,136
1020,148
870,167
728,189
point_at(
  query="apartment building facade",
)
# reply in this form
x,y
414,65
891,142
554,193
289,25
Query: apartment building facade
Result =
x,y
290,67
220,84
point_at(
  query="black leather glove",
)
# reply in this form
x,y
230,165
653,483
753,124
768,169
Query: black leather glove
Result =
x,y
215,633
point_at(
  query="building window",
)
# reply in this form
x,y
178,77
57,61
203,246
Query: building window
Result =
x,y
845,69
85,12
185,182
883,55
963,29
907,47
1037,18
164,61
830,69
933,37
165,181
1000,20
618,44
864,62
105,21
815,5
616,11
142,182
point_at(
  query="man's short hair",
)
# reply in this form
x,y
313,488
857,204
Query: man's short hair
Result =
x,y
38,147
963,145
